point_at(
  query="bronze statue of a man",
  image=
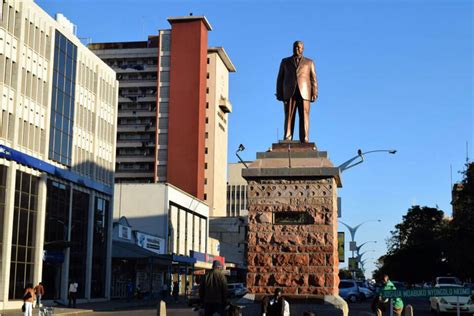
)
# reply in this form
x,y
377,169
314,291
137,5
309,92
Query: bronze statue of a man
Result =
x,y
297,87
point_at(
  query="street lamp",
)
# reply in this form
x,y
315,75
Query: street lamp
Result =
x,y
358,247
360,155
353,230
240,149
359,257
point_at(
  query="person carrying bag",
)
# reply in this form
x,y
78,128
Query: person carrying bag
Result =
x,y
28,298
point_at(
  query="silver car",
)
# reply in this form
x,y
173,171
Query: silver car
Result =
x,y
349,290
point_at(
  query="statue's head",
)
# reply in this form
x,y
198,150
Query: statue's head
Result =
x,y
298,48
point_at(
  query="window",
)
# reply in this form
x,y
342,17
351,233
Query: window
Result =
x,y
99,251
79,225
3,177
63,98
23,233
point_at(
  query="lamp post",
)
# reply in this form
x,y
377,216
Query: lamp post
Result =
x,y
359,257
360,155
240,149
358,247
354,229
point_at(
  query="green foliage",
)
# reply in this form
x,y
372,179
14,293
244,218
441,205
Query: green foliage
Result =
x,y
416,247
426,245
461,254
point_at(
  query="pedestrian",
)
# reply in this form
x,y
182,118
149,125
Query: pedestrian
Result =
x,y
382,304
129,290
213,291
39,291
164,291
175,291
73,293
275,305
28,298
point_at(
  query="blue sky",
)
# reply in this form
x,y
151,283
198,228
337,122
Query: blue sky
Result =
x,y
392,74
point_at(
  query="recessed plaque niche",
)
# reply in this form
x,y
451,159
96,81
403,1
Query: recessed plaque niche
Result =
x,y
292,218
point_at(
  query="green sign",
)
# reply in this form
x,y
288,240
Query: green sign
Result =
x,y
430,292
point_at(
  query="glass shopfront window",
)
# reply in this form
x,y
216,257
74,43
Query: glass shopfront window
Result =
x,y
78,254
99,252
24,234
55,237
3,178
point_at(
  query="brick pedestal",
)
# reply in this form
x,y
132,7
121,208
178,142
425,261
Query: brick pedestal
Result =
x,y
292,232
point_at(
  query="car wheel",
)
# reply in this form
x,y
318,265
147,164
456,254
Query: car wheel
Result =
x,y
352,298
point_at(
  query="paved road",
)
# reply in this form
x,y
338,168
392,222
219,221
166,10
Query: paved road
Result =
x,y
421,308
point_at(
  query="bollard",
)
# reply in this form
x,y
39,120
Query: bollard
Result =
x,y
161,309
409,310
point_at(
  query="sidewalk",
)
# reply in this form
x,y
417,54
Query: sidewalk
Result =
x,y
113,305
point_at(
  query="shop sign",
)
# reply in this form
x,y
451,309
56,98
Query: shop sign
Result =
x,y
151,243
125,232
203,257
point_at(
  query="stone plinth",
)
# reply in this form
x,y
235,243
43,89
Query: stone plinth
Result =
x,y
292,230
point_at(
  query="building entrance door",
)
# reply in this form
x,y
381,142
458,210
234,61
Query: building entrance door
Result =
x,y
52,280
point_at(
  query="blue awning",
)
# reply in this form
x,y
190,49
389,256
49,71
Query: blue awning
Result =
x,y
183,259
35,163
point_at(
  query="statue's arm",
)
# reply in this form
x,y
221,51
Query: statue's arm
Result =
x,y
314,83
279,84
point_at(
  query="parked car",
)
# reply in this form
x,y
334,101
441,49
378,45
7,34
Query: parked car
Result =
x,y
193,296
448,280
236,290
349,290
364,290
448,304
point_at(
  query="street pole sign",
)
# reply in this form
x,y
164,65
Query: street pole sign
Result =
x,y
430,292
340,246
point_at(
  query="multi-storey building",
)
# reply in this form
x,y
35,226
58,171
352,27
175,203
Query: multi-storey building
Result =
x,y
57,144
173,109
237,204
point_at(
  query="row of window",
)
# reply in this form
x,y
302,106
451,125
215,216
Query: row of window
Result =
x,y
34,37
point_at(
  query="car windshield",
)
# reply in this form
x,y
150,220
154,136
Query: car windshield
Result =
x,y
447,281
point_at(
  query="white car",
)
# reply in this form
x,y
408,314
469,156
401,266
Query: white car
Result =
x,y
448,304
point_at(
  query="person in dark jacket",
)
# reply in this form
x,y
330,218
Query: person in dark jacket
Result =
x,y
213,291
275,305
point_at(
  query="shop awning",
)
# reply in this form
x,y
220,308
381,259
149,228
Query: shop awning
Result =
x,y
126,250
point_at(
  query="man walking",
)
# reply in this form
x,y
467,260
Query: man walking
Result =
x,y
297,87
276,305
39,291
382,304
213,290
73,293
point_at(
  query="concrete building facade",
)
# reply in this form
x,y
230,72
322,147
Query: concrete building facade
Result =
x,y
57,157
171,214
237,191
173,109
218,108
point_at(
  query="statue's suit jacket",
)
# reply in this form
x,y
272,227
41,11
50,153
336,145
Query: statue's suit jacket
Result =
x,y
290,76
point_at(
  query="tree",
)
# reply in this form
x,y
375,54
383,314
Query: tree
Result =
x,y
416,248
461,255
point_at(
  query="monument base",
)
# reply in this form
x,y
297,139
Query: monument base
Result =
x,y
325,305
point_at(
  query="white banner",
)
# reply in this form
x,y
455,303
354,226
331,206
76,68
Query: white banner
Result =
x,y
151,243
